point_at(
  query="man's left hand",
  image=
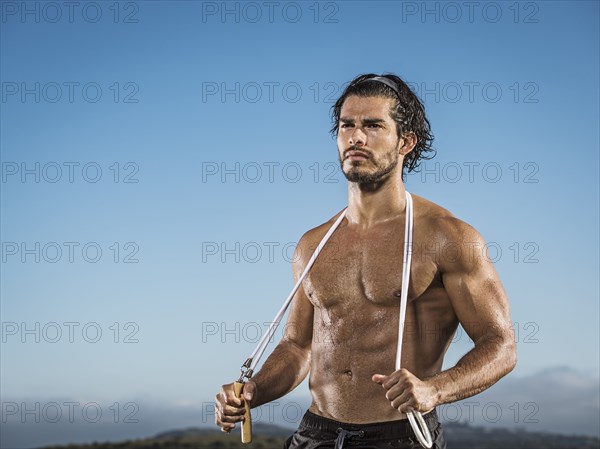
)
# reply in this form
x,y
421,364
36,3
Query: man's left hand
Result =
x,y
406,392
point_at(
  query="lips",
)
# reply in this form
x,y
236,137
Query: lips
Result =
x,y
356,155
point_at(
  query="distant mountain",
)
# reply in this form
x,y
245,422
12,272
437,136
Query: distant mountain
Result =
x,y
263,429
266,436
464,436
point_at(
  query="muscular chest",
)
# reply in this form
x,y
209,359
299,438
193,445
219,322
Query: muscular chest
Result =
x,y
359,266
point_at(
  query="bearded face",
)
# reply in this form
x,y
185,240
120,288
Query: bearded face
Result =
x,y
370,169
368,143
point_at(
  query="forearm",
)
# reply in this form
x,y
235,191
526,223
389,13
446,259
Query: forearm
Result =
x,y
283,371
490,360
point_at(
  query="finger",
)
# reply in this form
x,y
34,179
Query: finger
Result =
x,y
230,419
231,410
231,399
248,391
407,407
225,427
227,395
407,403
224,408
402,377
378,378
392,380
399,388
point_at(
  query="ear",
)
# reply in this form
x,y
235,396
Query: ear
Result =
x,y
407,142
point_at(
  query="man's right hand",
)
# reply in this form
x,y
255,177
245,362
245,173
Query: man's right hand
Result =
x,y
228,408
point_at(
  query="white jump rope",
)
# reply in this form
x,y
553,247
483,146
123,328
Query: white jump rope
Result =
x,y
414,417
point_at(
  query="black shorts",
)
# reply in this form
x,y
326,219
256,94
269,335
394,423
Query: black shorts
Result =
x,y
318,432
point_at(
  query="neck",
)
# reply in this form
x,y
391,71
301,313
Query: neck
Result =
x,y
369,204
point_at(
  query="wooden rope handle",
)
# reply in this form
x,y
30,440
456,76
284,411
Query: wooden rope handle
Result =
x,y
247,423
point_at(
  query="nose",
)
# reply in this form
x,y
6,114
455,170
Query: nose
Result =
x,y
357,137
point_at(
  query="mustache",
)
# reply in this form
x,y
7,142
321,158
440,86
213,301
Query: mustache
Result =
x,y
355,148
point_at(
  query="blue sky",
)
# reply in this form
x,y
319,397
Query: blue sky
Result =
x,y
165,158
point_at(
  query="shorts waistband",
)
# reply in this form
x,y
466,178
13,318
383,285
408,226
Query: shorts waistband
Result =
x,y
378,430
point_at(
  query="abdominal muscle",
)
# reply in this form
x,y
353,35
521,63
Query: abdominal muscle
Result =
x,y
347,352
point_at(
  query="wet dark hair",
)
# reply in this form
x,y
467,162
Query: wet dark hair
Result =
x,y
408,112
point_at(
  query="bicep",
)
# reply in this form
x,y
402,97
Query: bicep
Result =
x,y
299,326
474,288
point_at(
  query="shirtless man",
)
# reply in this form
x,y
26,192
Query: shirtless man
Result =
x,y
343,322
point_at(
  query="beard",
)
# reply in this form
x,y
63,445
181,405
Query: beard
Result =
x,y
362,175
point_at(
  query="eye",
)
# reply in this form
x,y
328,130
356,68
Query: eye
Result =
x,y
345,125
374,125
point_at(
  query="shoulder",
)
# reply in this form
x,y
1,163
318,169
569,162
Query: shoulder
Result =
x,y
454,238
440,222
310,240
316,234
